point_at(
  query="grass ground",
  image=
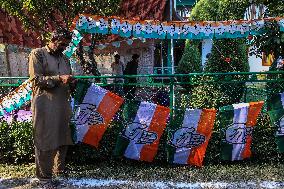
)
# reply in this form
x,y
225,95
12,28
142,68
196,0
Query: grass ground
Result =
x,y
17,176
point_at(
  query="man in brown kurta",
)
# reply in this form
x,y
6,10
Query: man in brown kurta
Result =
x,y
50,105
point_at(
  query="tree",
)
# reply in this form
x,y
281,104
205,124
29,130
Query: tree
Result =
x,y
272,39
191,59
40,15
228,55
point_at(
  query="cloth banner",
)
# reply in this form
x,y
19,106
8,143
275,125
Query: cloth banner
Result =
x,y
18,116
237,122
15,99
277,118
141,135
96,107
171,30
189,136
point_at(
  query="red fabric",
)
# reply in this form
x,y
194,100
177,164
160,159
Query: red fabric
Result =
x,y
143,9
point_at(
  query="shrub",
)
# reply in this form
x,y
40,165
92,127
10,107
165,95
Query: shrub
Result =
x,y
16,145
16,142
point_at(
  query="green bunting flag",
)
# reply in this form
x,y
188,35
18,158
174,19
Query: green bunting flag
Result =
x,y
277,118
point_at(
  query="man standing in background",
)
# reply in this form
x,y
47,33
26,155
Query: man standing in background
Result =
x,y
117,70
51,74
131,69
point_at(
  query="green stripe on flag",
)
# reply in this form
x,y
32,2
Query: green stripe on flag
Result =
x,y
226,151
175,124
275,117
280,143
129,112
225,117
81,90
274,102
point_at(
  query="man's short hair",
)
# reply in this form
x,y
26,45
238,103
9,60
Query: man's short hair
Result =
x,y
135,56
60,33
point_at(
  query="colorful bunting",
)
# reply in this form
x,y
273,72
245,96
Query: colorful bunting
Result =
x,y
71,48
16,98
172,30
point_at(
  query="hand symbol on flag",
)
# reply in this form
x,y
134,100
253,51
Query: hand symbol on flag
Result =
x,y
187,137
138,133
88,115
236,134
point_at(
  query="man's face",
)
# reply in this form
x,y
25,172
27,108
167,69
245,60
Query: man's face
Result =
x,y
60,45
117,59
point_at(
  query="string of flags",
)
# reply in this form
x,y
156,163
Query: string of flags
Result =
x,y
16,98
143,126
188,133
153,29
171,30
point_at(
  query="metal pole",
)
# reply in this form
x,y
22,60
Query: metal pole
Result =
x,y
171,61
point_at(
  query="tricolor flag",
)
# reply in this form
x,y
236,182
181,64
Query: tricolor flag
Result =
x,y
97,107
140,137
237,122
277,118
191,132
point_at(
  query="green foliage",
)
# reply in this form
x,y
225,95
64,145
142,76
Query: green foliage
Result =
x,y
228,55
190,62
191,59
215,10
16,145
235,50
16,142
275,7
272,40
37,14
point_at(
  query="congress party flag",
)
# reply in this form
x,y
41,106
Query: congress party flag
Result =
x,y
276,104
237,122
189,136
141,135
96,108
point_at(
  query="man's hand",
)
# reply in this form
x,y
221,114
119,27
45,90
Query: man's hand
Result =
x,y
65,78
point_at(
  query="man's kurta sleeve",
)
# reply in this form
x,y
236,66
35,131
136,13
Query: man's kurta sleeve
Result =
x,y
36,72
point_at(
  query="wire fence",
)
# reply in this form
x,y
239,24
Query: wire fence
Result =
x,y
204,90
197,90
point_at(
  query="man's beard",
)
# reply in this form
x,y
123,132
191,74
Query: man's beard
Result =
x,y
58,51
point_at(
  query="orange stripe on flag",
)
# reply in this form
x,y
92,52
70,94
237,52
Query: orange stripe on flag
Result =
x,y
205,126
95,134
158,125
247,152
254,110
109,105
